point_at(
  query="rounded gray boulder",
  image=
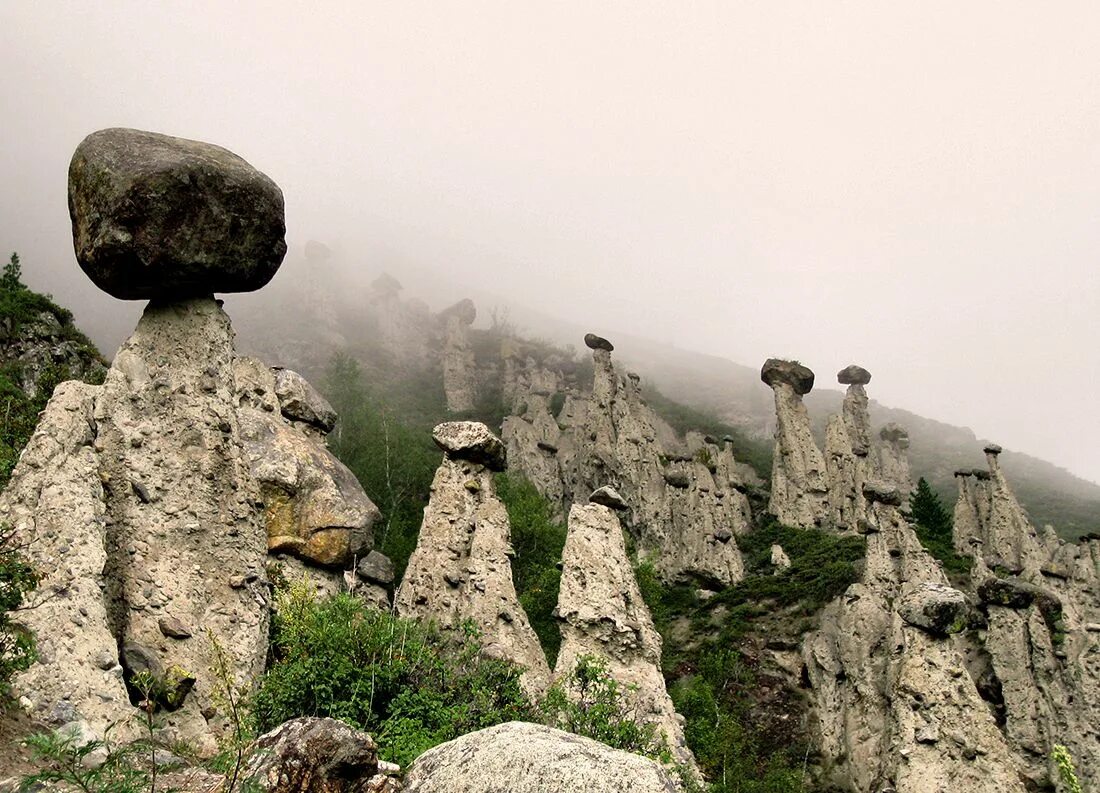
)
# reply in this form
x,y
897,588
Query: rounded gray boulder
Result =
x,y
471,441
853,375
794,374
162,218
594,342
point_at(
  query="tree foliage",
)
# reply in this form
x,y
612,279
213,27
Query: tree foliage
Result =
x,y
934,527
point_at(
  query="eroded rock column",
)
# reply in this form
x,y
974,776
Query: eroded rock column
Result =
x,y
459,364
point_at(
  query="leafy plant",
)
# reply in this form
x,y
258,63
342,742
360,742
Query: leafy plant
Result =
x,y
1067,774
934,527
409,685
591,703
95,766
537,540
17,580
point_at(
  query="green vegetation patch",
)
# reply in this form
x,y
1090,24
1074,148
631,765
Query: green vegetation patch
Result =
x,y
934,529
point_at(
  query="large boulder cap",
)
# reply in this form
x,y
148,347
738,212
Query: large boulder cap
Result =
x,y
472,441
594,342
794,374
158,217
853,375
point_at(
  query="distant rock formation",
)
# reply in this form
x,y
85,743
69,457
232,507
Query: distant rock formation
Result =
x,y
847,447
894,459
461,569
459,365
684,500
149,503
603,615
799,492
1041,645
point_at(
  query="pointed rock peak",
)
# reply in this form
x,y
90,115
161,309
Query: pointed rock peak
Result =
x,y
386,284
472,441
158,217
993,449
894,433
594,342
794,374
464,310
608,497
853,375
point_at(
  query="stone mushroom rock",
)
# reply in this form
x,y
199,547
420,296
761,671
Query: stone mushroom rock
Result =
x,y
800,486
300,401
472,441
460,376
893,458
461,568
518,757
594,342
158,217
798,377
853,375
603,615
315,755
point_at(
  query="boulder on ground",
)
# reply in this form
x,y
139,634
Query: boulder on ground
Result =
x,y
518,757
157,217
470,440
315,755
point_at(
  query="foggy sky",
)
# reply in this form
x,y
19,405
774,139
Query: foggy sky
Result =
x,y
914,187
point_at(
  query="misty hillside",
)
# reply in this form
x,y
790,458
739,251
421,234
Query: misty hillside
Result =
x,y
304,325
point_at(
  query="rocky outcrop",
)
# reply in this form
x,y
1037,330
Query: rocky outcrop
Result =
x,y
527,758
460,375
893,466
847,451
314,755
684,500
46,347
799,493
897,709
603,615
167,218
142,500
461,569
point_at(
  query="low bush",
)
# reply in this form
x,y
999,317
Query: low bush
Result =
x,y
17,580
406,683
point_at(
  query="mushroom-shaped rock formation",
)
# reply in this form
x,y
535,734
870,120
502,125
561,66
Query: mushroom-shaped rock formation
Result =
x,y
853,375
167,218
472,441
893,463
461,567
603,615
594,342
799,493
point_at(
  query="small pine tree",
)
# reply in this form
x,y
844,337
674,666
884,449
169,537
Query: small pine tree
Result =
x,y
13,274
929,513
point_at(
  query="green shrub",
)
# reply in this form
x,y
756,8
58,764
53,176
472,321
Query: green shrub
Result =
x,y
404,682
17,580
537,540
590,703
1067,774
91,767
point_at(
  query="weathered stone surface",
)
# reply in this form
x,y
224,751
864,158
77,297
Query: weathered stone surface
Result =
x,y
376,567
893,463
936,608
157,217
299,401
529,758
776,371
594,342
853,375
315,755
460,376
472,441
603,615
882,493
779,558
800,488
608,497
461,569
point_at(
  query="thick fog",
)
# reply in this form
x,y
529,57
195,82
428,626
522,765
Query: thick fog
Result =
x,y
914,187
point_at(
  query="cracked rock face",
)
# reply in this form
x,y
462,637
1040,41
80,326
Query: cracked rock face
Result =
x,y
603,615
157,217
461,568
